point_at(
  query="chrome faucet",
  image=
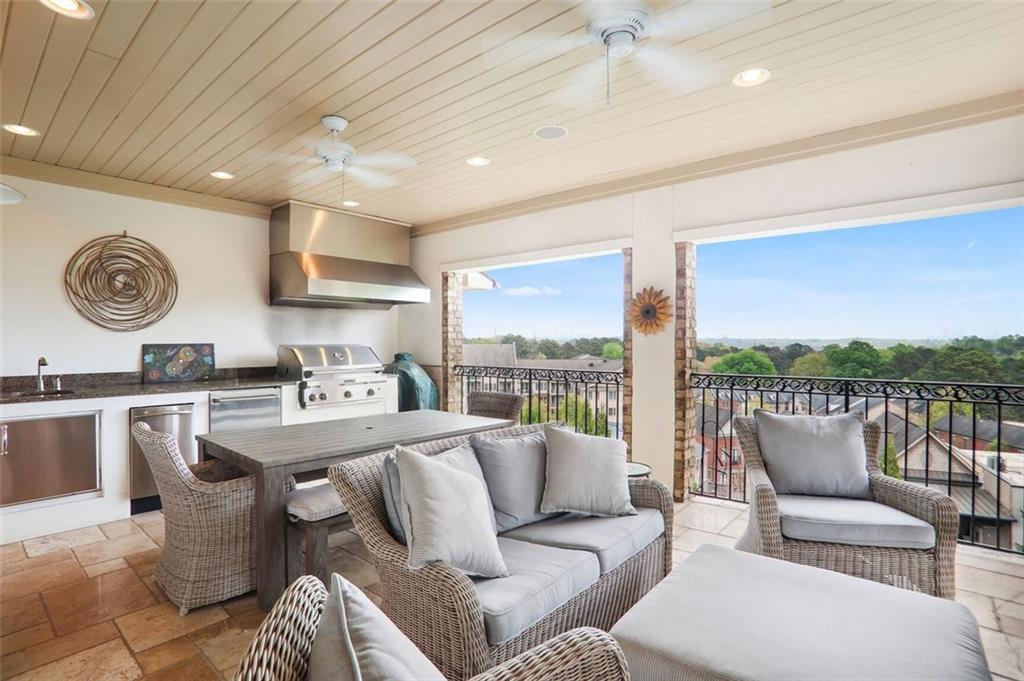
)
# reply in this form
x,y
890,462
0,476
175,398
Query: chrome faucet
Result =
x,y
39,373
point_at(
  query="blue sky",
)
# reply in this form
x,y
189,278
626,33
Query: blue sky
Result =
x,y
937,278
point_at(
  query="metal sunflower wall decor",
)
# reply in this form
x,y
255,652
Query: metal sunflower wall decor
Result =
x,y
649,311
121,283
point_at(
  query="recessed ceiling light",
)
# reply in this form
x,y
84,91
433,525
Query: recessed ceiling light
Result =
x,y
222,175
478,161
751,77
550,132
21,130
76,9
350,203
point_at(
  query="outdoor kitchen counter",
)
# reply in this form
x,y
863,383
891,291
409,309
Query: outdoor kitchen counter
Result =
x,y
84,387
272,454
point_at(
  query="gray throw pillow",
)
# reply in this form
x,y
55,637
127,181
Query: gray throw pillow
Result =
x,y
514,468
585,474
355,641
460,458
447,516
823,456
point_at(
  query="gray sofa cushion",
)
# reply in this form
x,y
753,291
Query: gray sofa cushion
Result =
x,y
355,641
313,503
724,614
447,516
514,470
852,521
460,458
541,578
585,474
816,455
612,540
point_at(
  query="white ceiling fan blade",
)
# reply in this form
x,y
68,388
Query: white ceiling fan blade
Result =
x,y
678,70
700,16
586,80
371,178
386,160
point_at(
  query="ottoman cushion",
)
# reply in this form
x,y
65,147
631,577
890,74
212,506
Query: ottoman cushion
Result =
x,y
724,614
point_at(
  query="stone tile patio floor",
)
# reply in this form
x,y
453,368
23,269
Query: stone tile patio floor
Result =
x,y
83,604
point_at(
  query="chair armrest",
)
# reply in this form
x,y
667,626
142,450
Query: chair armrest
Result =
x,y
933,507
215,470
648,493
764,528
583,654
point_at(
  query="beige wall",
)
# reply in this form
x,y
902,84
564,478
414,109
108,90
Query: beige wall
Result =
x,y
221,262
966,166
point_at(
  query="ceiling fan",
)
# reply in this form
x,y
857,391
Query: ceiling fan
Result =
x,y
631,29
341,157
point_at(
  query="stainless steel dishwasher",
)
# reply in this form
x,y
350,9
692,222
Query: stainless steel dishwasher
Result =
x,y
244,408
175,419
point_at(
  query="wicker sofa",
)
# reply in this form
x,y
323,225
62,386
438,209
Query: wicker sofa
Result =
x,y
281,648
927,570
438,607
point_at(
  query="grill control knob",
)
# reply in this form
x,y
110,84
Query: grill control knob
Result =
x,y
322,396
370,393
348,393
312,397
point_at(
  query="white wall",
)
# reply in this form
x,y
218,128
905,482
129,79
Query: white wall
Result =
x,y
221,261
923,171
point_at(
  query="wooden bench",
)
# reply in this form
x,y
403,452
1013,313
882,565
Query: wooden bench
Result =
x,y
313,514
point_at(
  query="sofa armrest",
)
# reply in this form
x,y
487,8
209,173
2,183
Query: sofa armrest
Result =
x,y
933,507
764,528
582,654
648,493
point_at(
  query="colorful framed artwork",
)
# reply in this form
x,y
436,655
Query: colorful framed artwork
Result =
x,y
178,362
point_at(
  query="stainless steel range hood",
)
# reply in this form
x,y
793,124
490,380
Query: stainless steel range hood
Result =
x,y
325,258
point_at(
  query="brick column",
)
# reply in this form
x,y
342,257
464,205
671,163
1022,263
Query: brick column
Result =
x,y
626,399
451,340
685,364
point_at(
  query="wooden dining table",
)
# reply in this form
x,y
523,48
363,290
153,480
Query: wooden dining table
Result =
x,y
272,454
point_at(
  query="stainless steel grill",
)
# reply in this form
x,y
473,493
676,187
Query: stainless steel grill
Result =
x,y
333,374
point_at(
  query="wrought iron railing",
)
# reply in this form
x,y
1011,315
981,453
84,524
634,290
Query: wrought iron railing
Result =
x,y
589,401
964,439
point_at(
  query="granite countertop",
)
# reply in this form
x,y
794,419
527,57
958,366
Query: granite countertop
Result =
x,y
126,384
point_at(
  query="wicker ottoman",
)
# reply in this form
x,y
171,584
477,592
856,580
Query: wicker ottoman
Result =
x,y
728,615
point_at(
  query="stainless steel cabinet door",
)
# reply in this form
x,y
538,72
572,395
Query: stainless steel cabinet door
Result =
x,y
42,458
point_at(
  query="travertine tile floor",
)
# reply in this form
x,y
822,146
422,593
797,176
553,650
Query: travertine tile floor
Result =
x,y
82,605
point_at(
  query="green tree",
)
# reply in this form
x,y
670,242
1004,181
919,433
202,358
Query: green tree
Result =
x,y
748,361
961,364
574,411
612,350
996,446
905,361
857,360
811,364
890,463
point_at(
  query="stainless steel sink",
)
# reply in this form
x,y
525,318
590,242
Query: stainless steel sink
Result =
x,y
38,393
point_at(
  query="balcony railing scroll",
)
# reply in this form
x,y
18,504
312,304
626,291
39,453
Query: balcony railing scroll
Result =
x,y
588,401
965,439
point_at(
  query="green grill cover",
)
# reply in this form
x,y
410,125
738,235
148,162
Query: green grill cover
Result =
x,y
415,389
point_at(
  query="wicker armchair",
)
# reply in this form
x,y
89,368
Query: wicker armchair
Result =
x,y
929,571
437,606
280,650
208,514
495,405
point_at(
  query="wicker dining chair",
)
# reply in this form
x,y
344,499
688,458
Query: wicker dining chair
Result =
x,y
495,405
208,511
281,648
928,570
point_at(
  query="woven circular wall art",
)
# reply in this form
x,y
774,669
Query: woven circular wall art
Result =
x,y
121,283
649,311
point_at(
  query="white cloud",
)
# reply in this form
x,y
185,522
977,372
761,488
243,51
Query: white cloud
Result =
x,y
522,291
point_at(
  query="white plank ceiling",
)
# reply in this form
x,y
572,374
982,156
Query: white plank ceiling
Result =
x,y
164,92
